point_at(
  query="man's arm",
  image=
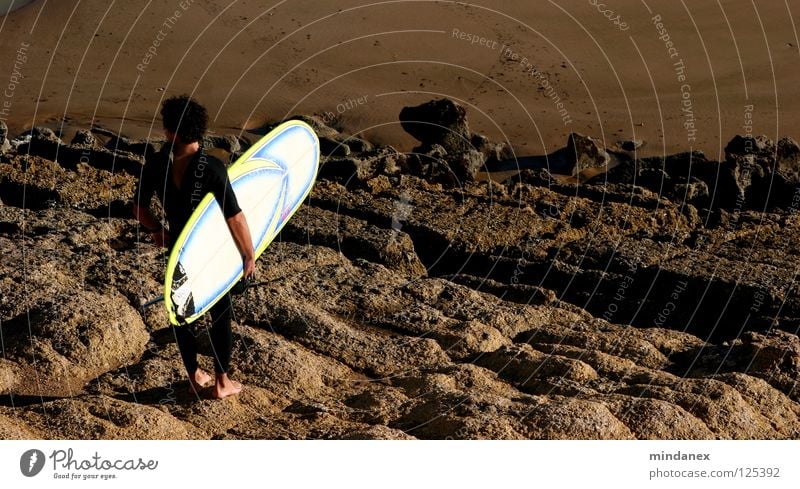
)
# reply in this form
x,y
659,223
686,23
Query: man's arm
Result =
x,y
154,227
241,236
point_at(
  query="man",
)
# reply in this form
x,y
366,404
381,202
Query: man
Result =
x,y
181,174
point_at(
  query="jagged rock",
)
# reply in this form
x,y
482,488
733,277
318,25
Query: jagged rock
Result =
x,y
84,138
437,165
694,192
788,152
43,183
750,145
43,133
356,239
585,153
441,122
493,153
539,177
465,165
9,375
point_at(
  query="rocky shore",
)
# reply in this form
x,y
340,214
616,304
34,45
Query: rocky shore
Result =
x,y
456,291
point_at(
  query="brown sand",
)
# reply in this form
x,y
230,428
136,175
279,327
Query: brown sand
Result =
x,y
361,62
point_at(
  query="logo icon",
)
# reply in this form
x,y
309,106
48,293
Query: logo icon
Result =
x,y
31,462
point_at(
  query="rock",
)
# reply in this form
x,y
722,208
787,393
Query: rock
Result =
x,y
65,343
228,142
630,144
574,419
465,165
749,145
788,153
101,417
357,145
356,239
349,171
780,411
538,177
331,147
718,405
4,144
12,428
492,152
268,360
694,192
363,352
44,184
437,165
585,153
43,133
379,184
774,357
536,372
84,138
653,419
9,375
441,122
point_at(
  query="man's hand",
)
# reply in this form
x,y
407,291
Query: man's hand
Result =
x,y
249,265
160,238
159,235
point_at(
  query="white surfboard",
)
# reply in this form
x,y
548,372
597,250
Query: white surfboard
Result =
x,y
271,180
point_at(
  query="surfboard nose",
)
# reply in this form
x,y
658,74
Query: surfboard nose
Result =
x,y
291,150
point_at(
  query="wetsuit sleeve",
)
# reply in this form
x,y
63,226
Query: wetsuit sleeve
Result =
x,y
223,192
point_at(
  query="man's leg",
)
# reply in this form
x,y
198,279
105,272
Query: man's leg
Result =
x,y
222,343
187,345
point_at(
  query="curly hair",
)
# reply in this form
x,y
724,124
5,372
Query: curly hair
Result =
x,y
185,117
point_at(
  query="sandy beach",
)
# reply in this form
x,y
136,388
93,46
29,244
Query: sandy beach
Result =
x,y
677,75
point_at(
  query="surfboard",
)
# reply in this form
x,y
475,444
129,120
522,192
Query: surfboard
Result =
x,y
271,180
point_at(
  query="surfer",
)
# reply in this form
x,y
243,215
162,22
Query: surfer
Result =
x,y
181,174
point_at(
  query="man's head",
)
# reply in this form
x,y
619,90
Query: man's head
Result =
x,y
185,118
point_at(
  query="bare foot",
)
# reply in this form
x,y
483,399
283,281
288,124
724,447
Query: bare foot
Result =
x,y
199,380
226,387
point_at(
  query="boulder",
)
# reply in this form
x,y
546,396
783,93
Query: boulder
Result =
x,y
440,121
63,343
749,145
584,153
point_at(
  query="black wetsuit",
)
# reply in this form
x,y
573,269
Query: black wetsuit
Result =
x,y
203,174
